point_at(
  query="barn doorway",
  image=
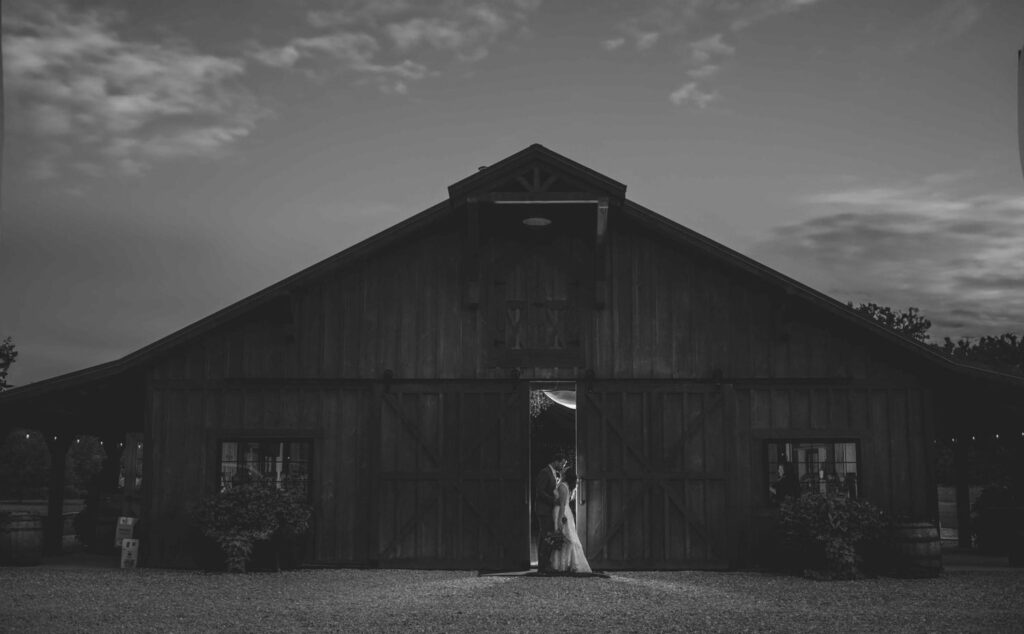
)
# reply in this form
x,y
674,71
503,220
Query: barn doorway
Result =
x,y
552,429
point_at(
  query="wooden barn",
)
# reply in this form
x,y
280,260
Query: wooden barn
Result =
x,y
406,381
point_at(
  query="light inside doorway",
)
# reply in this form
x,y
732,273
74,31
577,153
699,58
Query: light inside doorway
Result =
x,y
552,430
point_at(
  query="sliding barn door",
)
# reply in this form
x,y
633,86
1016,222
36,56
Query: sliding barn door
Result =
x,y
452,488
653,464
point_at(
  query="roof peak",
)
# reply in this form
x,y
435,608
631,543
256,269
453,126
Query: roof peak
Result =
x,y
536,168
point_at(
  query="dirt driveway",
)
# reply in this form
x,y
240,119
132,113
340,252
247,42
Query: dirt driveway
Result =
x,y
82,599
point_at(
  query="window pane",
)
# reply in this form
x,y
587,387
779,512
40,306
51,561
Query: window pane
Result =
x,y
278,462
296,465
228,463
802,467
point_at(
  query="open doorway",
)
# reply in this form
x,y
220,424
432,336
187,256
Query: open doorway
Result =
x,y
552,430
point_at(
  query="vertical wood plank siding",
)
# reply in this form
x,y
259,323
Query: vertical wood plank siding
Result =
x,y
187,423
675,323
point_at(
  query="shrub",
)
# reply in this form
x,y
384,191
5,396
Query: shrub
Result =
x,y
239,517
832,534
998,517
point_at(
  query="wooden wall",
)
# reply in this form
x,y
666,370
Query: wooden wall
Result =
x,y
453,480
185,424
313,361
656,462
672,313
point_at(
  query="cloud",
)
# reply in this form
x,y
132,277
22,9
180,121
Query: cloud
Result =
x,y
704,71
645,41
363,34
754,12
358,12
659,20
703,50
656,19
948,21
51,119
86,87
283,57
355,51
956,257
690,92
443,34
352,48
468,31
613,44
133,154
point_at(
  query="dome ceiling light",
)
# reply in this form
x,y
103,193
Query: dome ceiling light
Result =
x,y
536,221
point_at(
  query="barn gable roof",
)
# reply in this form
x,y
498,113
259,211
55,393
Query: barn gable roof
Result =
x,y
536,169
519,167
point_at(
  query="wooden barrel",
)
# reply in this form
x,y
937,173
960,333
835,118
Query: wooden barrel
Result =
x,y
21,539
918,550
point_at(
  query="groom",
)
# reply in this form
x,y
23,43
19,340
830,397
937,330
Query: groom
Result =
x,y
544,501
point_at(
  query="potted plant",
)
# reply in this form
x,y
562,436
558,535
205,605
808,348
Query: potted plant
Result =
x,y
247,514
834,535
998,519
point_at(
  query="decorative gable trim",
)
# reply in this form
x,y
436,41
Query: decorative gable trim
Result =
x,y
536,170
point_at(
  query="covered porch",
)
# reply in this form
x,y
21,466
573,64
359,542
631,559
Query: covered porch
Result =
x,y
98,402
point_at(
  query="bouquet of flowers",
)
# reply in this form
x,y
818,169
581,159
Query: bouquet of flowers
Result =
x,y
554,540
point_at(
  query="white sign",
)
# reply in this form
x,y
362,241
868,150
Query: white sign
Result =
x,y
129,553
123,530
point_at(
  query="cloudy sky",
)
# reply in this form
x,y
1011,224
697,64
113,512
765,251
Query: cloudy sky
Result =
x,y
163,160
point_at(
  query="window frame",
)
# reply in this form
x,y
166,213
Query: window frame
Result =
x,y
310,440
767,475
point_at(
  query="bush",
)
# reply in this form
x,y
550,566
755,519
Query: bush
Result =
x,y
833,536
24,466
998,517
240,517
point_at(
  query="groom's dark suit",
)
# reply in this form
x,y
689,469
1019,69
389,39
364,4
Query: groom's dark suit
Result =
x,y
544,501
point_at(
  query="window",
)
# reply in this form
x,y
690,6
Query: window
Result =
x,y
811,466
285,463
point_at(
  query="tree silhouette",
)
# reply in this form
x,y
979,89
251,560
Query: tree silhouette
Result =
x,y
7,356
909,322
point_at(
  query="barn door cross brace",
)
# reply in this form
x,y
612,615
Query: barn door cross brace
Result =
x,y
410,427
649,481
646,485
615,428
415,520
449,480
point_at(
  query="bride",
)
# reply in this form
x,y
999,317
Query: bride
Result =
x,y
570,557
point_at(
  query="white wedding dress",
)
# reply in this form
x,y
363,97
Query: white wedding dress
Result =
x,y
570,557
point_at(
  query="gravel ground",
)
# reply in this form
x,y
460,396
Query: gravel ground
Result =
x,y
54,599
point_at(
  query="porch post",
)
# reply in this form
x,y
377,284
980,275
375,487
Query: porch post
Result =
x,y
113,445
963,495
53,529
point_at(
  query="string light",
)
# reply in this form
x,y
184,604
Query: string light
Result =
x,y
27,436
